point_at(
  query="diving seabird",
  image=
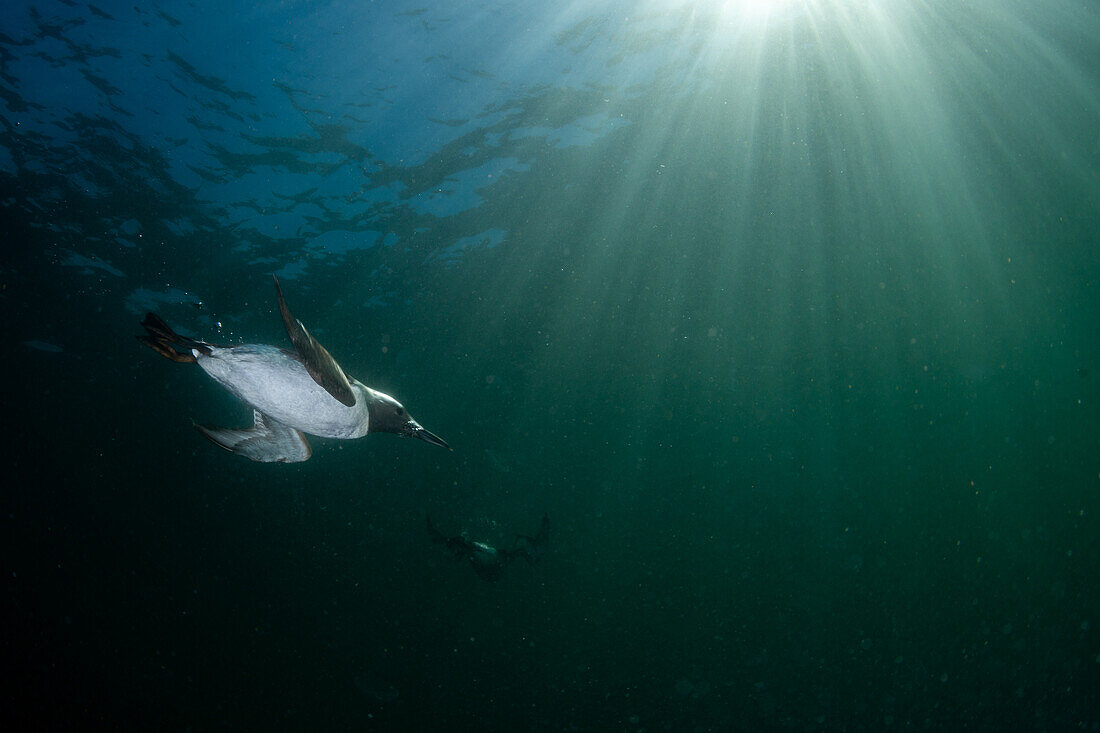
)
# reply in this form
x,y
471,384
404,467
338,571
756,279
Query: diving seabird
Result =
x,y
290,392
487,561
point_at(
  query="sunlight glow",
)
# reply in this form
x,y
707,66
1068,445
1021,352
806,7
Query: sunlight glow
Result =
x,y
752,10
752,6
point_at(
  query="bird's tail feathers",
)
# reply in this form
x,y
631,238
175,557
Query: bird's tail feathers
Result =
x,y
162,339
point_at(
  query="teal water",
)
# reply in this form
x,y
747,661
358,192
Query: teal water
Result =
x,y
784,313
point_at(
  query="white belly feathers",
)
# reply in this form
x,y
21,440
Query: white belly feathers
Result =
x,y
275,382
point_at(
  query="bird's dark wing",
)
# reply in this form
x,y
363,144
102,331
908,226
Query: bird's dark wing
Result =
x,y
531,549
435,534
319,363
458,545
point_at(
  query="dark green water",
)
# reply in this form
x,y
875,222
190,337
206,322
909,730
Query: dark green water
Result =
x,y
787,318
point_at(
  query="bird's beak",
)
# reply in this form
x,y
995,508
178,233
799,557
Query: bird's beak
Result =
x,y
430,437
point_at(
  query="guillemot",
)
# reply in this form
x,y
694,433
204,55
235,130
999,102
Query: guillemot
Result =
x,y
487,561
290,392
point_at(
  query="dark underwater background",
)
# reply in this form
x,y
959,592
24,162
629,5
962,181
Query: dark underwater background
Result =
x,y
784,313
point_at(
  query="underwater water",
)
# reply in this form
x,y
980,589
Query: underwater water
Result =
x,y
784,313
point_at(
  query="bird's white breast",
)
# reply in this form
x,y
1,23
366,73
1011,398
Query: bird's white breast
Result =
x,y
276,383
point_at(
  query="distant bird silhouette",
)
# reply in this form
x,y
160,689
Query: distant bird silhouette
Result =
x,y
487,561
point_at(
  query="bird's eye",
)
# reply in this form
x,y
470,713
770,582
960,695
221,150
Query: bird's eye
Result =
x,y
400,410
